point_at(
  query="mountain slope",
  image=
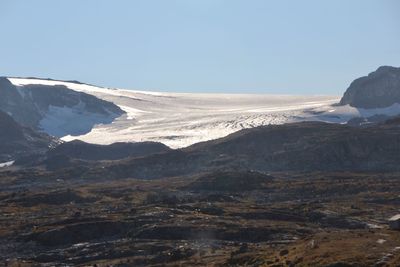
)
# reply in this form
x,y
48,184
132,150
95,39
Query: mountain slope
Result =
x,y
17,141
85,151
56,110
10,130
299,146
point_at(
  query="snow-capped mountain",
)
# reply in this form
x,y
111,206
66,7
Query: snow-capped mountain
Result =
x,y
178,119
181,119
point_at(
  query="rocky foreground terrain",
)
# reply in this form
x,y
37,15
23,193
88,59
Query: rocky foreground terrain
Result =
x,y
302,194
221,203
308,193
214,219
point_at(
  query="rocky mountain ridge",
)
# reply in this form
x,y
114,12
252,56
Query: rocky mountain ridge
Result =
x,y
306,146
379,89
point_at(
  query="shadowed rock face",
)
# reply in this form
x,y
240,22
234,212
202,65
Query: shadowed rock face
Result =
x,y
10,130
377,90
55,109
18,141
12,102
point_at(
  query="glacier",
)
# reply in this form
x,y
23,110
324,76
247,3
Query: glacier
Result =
x,y
181,119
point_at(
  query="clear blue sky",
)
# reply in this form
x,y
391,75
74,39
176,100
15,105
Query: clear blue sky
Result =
x,y
297,47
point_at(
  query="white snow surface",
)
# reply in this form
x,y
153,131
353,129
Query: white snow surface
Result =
x,y
181,119
59,121
6,164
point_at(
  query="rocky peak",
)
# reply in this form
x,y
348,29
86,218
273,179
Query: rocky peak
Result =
x,y
379,89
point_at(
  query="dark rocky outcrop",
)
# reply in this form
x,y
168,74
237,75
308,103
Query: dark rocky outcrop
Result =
x,y
17,141
12,102
78,153
32,105
379,89
85,151
10,130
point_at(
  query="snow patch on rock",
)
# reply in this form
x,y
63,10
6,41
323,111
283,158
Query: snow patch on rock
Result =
x,y
6,164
